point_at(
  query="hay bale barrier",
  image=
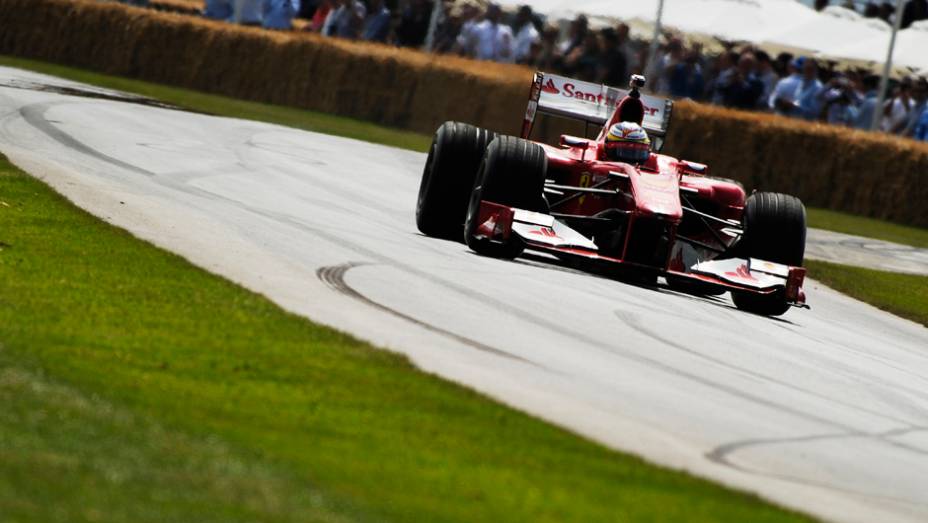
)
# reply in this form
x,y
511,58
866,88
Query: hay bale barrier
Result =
x,y
851,171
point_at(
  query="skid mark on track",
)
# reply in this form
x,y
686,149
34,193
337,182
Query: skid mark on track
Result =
x,y
334,277
722,455
634,322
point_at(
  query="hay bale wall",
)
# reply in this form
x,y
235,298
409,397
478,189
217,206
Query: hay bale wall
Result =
x,y
829,167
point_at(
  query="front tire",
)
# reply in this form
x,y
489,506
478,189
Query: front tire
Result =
x,y
512,174
774,230
454,158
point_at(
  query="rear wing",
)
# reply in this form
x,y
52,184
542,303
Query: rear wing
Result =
x,y
590,103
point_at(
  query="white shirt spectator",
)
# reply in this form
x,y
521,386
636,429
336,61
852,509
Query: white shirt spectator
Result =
x,y
490,41
786,90
898,113
525,37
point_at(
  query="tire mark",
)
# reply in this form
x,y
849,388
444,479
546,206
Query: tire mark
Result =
x,y
632,321
334,277
721,455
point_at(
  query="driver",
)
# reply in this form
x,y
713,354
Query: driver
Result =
x,y
627,142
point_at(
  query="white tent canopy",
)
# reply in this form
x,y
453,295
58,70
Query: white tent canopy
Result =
x,y
911,48
836,32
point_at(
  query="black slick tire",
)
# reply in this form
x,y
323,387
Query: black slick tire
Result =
x,y
454,157
774,230
512,173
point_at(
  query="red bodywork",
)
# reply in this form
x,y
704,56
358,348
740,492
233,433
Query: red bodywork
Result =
x,y
665,215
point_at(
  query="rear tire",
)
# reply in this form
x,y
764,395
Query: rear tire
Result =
x,y
448,177
774,230
513,174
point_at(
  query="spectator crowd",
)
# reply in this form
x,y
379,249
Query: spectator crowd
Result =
x,y
743,77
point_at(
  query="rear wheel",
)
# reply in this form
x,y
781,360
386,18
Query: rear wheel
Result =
x,y
774,230
454,158
512,174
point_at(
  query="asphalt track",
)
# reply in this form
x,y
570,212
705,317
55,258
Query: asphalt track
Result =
x,y
824,410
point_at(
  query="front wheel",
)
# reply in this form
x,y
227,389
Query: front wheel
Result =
x,y
450,169
775,231
512,174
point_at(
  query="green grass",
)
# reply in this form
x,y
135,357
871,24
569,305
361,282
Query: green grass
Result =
x,y
867,227
224,106
904,295
136,387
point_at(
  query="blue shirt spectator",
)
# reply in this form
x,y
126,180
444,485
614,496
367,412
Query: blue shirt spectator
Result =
x,y
377,23
808,98
247,12
865,111
686,79
278,14
921,130
218,9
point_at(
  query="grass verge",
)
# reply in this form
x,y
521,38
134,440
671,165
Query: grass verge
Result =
x,y
136,387
867,227
904,295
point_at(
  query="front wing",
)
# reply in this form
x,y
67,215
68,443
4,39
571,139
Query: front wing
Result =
x,y
543,232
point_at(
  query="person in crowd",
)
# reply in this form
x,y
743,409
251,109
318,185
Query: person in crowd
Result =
x,y
726,67
921,128
546,56
526,34
489,39
377,23
887,11
765,72
414,24
807,101
623,34
613,68
896,109
279,14
576,34
743,88
686,78
868,104
839,102
660,72
218,9
247,12
345,20
871,10
919,104
583,61
914,11
785,93
322,11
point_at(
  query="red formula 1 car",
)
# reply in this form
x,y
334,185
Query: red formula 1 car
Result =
x,y
658,217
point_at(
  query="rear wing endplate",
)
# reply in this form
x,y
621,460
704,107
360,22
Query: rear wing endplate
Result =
x,y
589,102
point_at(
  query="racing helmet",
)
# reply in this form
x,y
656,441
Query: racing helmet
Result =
x,y
627,142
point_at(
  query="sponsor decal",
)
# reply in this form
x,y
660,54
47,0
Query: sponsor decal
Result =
x,y
549,233
741,272
550,87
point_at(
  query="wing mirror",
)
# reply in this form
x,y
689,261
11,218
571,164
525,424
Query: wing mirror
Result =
x,y
572,141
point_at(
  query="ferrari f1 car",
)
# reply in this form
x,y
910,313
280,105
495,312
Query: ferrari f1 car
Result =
x,y
658,216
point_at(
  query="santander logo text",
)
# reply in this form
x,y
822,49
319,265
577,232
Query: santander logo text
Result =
x,y
570,90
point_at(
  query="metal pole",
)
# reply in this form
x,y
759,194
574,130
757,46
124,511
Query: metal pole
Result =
x,y
652,52
887,67
437,11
